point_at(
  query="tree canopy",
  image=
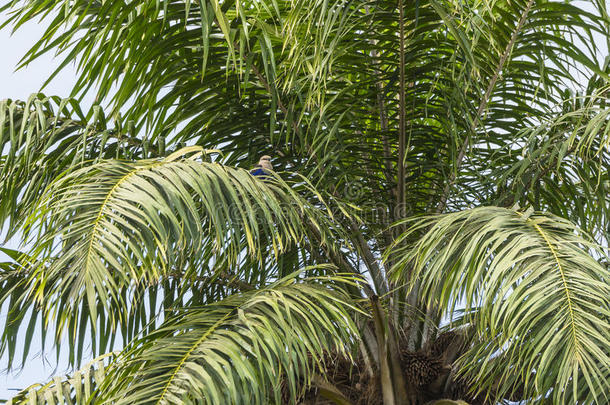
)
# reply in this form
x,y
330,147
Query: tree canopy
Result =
x,y
435,227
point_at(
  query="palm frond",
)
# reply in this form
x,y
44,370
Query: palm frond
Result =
x,y
240,350
107,233
45,136
245,75
541,297
75,389
562,165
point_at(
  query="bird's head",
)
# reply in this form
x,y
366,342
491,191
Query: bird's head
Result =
x,y
265,162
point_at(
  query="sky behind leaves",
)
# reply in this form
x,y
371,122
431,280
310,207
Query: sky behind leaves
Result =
x,y
20,85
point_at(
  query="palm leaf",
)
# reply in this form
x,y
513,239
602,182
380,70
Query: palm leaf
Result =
x,y
538,295
45,136
75,389
238,350
564,163
107,233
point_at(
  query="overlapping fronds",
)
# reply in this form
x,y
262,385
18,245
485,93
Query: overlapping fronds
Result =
x,y
390,108
532,286
75,389
170,44
240,350
317,84
45,136
104,233
561,164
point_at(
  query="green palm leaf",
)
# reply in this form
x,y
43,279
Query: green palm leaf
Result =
x,y
43,137
238,350
533,288
74,389
108,232
564,164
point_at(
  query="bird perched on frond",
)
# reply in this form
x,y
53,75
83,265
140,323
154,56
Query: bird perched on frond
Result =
x,y
263,167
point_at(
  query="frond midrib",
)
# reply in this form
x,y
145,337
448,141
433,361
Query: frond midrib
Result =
x,y
188,353
100,215
566,288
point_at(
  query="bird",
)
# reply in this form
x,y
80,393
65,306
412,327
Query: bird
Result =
x,y
263,167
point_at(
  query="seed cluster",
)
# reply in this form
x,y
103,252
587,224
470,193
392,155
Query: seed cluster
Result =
x,y
420,368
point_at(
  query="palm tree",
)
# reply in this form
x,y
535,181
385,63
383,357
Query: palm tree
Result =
x,y
435,229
